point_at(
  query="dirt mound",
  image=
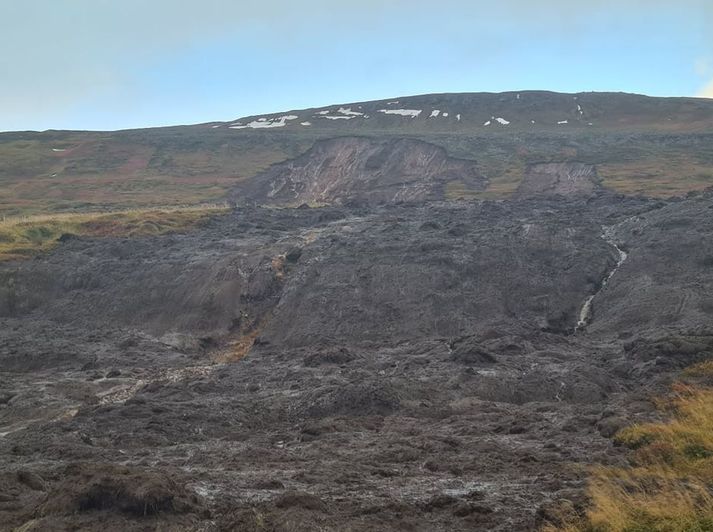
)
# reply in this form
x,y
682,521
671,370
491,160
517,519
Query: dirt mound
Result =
x,y
350,169
334,356
369,398
469,351
671,351
135,492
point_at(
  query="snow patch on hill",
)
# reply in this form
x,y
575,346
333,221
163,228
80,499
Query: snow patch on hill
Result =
x,y
413,113
348,111
499,120
264,123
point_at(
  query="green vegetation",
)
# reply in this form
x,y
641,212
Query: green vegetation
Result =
x,y
639,145
22,238
59,172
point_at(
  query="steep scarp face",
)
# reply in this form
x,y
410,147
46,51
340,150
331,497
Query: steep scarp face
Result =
x,y
363,170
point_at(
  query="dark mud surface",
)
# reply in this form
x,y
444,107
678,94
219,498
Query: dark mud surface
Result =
x,y
414,367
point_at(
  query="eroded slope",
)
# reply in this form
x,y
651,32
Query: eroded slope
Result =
x,y
355,169
414,366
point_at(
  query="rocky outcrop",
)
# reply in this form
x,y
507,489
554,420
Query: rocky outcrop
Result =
x,y
564,179
364,170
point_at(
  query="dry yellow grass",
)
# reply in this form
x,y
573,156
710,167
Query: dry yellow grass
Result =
x,y
668,484
24,237
704,369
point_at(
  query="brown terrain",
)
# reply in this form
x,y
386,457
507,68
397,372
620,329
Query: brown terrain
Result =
x,y
384,331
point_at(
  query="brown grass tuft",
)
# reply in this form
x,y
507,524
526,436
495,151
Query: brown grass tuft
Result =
x,y
667,486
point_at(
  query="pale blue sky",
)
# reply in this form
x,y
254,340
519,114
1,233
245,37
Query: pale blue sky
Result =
x,y
109,64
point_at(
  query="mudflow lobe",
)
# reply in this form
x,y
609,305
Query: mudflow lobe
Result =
x,y
401,366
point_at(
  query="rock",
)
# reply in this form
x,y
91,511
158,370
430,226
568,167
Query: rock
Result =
x,y
31,480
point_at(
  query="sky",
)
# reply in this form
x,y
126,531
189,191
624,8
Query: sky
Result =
x,y
116,64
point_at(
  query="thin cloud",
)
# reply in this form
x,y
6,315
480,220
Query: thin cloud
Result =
x,y
707,91
702,66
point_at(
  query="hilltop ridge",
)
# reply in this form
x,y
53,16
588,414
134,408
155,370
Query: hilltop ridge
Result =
x,y
638,144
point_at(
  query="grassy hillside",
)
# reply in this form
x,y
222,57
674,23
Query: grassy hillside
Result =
x,y
655,146
80,171
22,238
667,486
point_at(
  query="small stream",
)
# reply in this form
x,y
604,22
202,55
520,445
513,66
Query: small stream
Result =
x,y
585,314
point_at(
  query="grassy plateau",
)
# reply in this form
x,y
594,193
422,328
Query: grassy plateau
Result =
x,y
24,237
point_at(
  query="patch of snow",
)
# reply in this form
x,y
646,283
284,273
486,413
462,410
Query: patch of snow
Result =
x,y
413,113
343,113
392,103
502,121
348,111
213,127
305,123
590,124
435,113
58,149
445,115
532,121
264,123
518,96
458,117
579,109
563,122
487,123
